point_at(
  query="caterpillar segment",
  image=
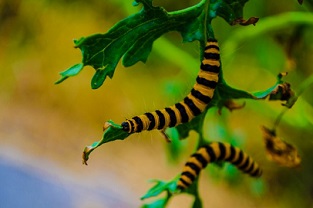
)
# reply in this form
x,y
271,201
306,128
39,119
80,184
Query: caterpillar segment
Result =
x,y
216,151
192,105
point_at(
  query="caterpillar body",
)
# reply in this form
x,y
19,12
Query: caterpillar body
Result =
x,y
216,151
192,105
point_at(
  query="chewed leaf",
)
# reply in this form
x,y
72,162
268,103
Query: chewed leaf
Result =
x,y
112,132
280,151
230,11
280,91
251,20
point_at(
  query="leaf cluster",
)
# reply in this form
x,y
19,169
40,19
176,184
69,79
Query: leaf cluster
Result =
x,y
131,40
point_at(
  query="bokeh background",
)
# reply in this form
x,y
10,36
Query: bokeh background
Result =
x,y
45,127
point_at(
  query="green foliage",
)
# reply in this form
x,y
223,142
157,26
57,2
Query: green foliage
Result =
x,y
157,189
131,40
112,132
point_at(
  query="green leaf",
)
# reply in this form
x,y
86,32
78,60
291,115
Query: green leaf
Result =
x,y
72,71
132,38
160,187
175,146
160,203
231,11
112,132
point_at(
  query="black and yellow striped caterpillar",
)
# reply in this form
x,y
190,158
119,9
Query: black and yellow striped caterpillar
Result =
x,y
216,151
192,105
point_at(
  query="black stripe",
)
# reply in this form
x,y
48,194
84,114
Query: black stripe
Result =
x,y
201,159
139,123
211,46
232,154
211,153
193,167
256,172
189,175
195,110
125,126
207,83
173,119
239,160
182,112
211,40
222,148
212,56
210,68
184,182
152,121
161,119
197,94
180,187
131,126
245,164
251,167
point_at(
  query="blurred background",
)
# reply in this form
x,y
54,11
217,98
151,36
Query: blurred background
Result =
x,y
45,127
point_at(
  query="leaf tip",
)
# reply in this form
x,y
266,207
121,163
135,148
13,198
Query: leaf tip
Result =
x,y
78,42
86,153
60,80
243,22
72,71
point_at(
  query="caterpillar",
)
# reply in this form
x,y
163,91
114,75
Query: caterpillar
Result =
x,y
216,151
192,105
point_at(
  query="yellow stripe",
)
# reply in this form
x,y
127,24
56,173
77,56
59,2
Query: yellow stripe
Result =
x,y
256,167
212,50
177,114
167,118
211,62
216,149
195,162
145,122
227,150
249,164
208,75
204,154
188,111
135,125
185,178
130,127
236,156
190,170
156,119
204,90
211,43
181,184
244,158
197,102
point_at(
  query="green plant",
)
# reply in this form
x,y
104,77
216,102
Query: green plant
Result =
x,y
132,39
